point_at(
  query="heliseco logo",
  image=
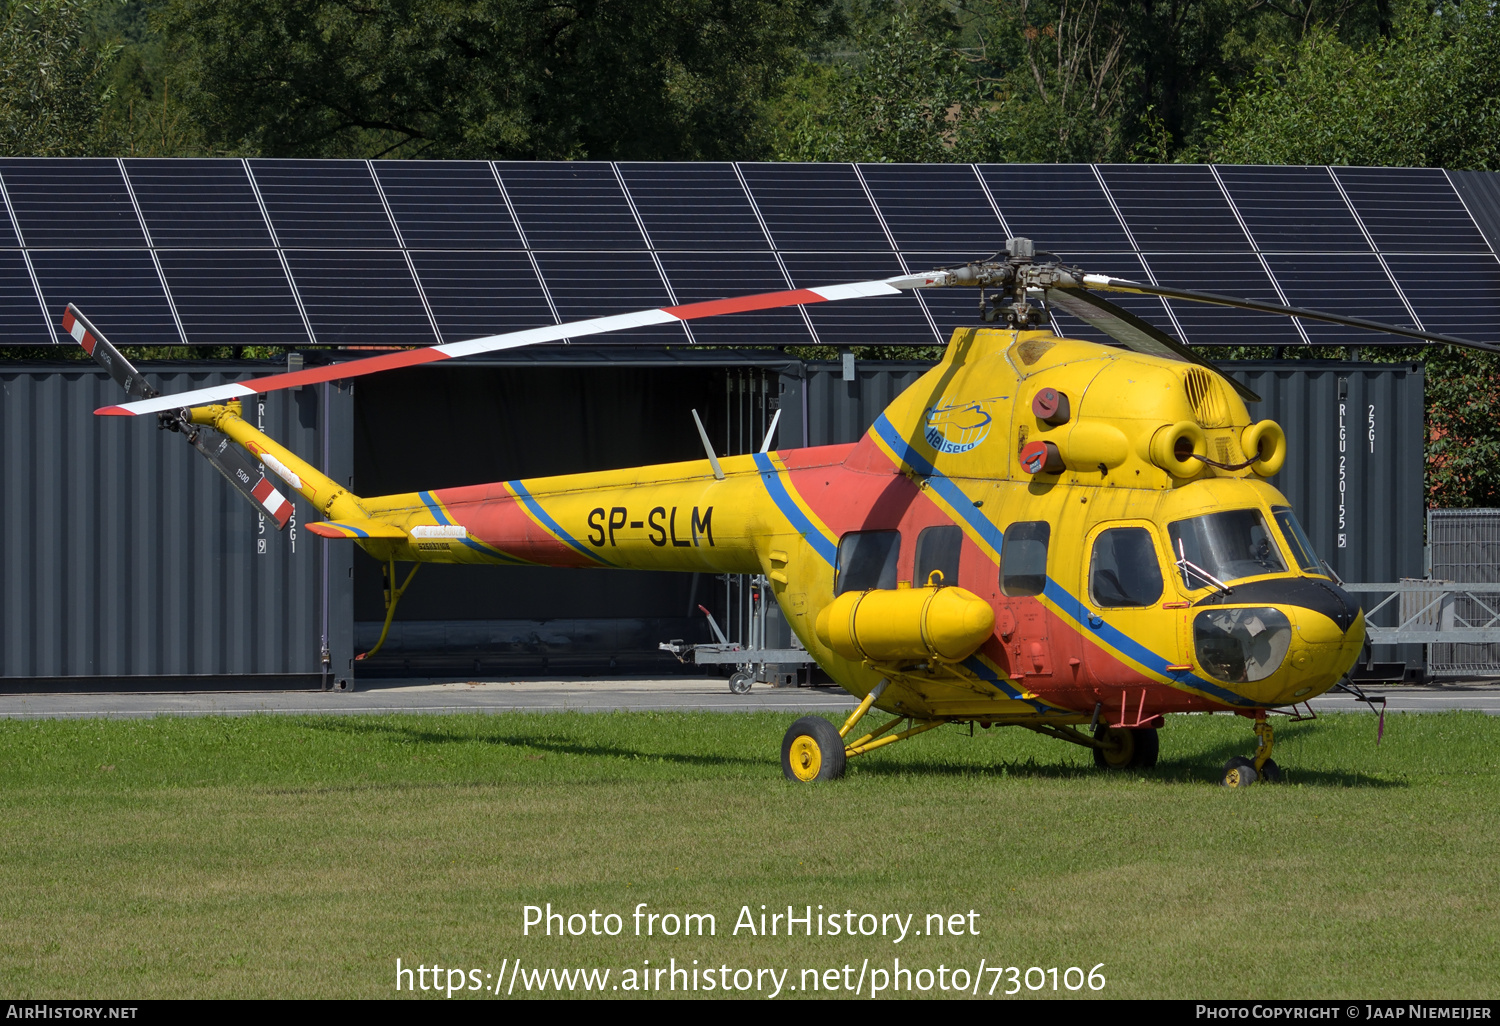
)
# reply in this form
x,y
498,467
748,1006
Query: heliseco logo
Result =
x,y
958,427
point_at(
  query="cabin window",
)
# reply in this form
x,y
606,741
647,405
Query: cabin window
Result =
x,y
1225,547
1023,558
1124,569
937,549
1302,549
867,559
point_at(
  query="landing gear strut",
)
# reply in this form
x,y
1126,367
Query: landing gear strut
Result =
x,y
1242,772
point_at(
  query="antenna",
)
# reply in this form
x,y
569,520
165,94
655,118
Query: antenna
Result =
x,y
713,460
770,432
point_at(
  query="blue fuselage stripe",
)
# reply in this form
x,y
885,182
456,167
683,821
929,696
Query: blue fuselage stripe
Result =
x,y
789,509
1063,599
435,508
942,484
551,525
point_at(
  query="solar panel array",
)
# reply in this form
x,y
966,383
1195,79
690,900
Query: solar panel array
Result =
x,y
336,252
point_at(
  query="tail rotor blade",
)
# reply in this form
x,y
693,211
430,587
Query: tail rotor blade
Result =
x,y
106,355
241,473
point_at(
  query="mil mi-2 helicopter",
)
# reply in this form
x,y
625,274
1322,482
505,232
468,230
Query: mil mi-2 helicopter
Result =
x,y
1040,532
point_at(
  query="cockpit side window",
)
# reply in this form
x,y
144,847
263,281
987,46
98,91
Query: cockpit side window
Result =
x,y
867,559
1124,570
938,549
1023,558
1296,538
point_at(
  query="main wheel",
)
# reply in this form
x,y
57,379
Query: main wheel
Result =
x,y
740,683
812,750
1270,772
1130,747
1239,772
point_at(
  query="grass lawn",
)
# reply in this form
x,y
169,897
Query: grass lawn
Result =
x,y
276,856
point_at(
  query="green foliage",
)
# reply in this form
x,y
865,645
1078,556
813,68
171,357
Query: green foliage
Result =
x,y
1428,97
906,95
524,79
1463,428
54,83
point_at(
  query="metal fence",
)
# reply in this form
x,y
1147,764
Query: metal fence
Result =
x,y
1464,548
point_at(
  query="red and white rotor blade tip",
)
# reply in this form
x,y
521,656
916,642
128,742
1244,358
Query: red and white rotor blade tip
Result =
x,y
516,339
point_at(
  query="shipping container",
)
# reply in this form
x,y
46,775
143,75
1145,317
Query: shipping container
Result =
x,y
126,560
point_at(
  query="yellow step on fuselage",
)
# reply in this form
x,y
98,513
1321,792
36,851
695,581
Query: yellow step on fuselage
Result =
x,y
1095,585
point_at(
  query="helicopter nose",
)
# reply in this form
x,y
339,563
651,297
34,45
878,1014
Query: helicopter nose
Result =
x,y
1297,640
1318,596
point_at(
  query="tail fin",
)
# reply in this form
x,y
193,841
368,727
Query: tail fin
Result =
x,y
210,430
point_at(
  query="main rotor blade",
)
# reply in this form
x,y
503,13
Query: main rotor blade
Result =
x,y
1105,283
515,339
1120,324
106,355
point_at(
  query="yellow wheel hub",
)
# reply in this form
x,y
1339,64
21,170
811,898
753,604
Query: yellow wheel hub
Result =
x,y
1122,747
807,758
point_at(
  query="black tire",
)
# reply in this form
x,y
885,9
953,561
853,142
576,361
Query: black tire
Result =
x,y
1147,747
740,683
1238,772
812,750
1270,772
1137,748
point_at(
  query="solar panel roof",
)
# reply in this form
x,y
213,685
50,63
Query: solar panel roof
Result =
x,y
883,320
349,252
447,204
1411,210
207,204
815,207
324,204
1294,209
573,205
121,287
1063,208
700,277
360,297
1355,285
22,321
233,297
1175,208
1239,275
694,207
936,207
74,203
473,293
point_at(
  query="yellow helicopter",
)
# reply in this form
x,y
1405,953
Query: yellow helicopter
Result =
x,y
1040,532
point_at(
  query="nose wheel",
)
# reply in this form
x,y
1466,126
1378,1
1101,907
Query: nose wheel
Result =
x,y
1242,772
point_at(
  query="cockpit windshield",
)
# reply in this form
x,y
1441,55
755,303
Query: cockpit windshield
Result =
x,y
1225,546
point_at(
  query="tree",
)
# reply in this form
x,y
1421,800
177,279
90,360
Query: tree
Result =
x,y
1463,428
904,94
53,83
526,79
1429,96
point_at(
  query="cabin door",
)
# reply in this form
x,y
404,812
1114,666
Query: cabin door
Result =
x,y
1123,591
